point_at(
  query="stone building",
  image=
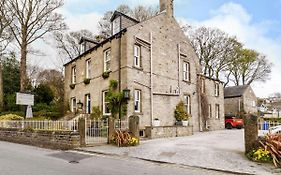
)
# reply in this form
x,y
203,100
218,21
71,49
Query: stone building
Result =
x,y
155,61
240,99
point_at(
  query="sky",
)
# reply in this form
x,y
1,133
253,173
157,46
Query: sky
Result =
x,y
256,23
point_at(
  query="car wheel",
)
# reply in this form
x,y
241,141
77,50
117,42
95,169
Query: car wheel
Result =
x,y
239,127
228,126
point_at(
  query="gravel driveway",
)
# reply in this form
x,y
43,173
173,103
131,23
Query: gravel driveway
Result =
x,y
222,150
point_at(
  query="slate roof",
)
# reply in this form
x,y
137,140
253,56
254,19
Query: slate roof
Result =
x,y
235,91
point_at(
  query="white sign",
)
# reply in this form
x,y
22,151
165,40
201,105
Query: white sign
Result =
x,y
25,99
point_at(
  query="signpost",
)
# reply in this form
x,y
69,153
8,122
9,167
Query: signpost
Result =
x,y
28,100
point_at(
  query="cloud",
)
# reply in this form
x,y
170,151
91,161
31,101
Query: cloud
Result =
x,y
235,20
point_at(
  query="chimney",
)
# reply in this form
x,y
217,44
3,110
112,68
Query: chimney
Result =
x,y
168,6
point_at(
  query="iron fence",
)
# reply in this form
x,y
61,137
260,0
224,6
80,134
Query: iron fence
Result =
x,y
41,125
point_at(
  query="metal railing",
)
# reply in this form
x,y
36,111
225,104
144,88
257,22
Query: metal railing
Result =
x,y
41,125
96,131
266,125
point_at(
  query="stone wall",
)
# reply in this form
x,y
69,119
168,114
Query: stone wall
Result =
x,y
168,131
47,139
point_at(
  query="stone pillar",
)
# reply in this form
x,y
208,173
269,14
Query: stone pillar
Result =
x,y
111,128
251,132
134,125
82,131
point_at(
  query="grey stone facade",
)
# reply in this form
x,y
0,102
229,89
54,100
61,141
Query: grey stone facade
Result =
x,y
240,98
164,49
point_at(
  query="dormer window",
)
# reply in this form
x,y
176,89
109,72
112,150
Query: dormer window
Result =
x,y
116,27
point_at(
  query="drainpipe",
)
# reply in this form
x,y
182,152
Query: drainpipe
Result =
x,y
119,72
179,57
151,81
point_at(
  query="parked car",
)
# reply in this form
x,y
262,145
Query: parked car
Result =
x,y
232,121
275,129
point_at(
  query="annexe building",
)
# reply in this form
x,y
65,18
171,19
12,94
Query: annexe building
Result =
x,y
155,61
240,99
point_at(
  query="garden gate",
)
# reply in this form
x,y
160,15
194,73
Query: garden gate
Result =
x,y
96,131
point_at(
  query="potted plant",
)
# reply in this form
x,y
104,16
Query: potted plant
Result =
x,y
106,74
156,122
87,81
181,115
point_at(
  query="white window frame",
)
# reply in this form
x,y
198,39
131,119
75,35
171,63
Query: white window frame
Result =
x,y
107,60
73,104
88,68
187,103
116,25
217,111
137,56
217,89
137,101
87,100
73,75
186,71
210,110
104,104
203,83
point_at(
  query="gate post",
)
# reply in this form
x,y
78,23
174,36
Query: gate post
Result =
x,y
111,129
134,125
251,132
82,133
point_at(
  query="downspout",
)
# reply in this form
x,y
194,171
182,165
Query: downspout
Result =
x,y
179,56
199,103
151,82
119,72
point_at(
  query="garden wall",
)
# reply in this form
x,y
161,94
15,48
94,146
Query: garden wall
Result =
x,y
168,131
47,139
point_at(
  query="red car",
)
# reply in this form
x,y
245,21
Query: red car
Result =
x,y
232,121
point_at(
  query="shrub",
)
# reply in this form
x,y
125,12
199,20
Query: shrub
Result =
x,y
11,117
43,94
261,155
180,112
123,139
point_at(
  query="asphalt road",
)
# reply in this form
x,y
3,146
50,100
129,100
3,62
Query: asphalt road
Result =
x,y
16,159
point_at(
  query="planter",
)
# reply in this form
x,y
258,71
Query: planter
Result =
x,y
72,86
156,123
87,81
185,123
106,74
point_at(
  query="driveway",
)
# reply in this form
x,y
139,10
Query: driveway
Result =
x,y
221,150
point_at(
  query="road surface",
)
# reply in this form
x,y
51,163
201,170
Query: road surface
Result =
x,y
16,159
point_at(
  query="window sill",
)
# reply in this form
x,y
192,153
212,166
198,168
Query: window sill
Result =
x,y
186,81
137,113
138,68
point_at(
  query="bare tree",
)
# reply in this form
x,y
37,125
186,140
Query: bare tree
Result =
x,y
33,19
140,13
68,43
214,48
250,66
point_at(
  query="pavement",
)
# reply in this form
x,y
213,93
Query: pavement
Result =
x,y
218,150
18,159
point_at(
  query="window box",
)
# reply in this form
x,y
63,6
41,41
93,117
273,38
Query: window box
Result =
x,y
156,122
106,74
87,81
72,86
